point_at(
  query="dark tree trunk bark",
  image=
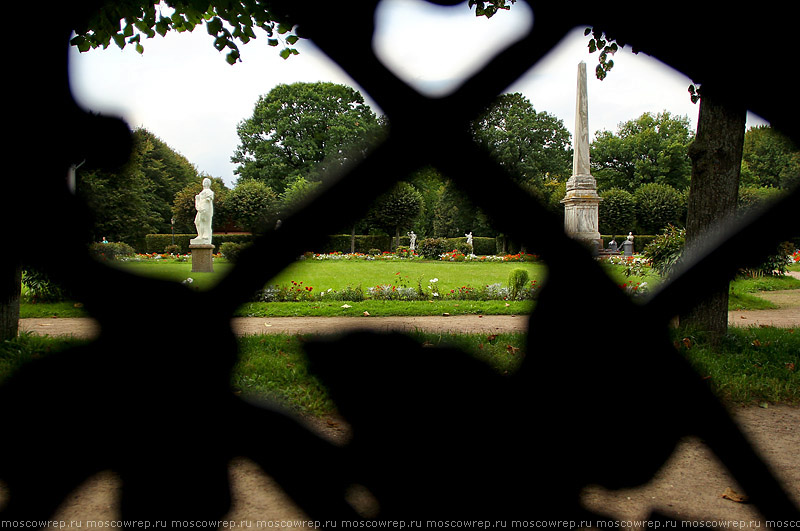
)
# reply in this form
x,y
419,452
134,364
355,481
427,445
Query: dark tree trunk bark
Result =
x,y
10,286
716,155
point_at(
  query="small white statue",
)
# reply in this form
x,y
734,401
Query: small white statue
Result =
x,y
469,238
413,244
204,204
630,237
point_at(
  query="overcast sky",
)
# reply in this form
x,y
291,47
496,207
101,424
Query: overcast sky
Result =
x,y
183,91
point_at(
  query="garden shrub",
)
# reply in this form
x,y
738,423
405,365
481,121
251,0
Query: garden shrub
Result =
x,y
516,281
374,252
774,265
41,288
156,243
657,206
617,212
433,248
111,250
664,252
172,249
230,251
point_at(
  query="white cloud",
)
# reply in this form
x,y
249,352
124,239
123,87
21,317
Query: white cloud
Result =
x,y
435,48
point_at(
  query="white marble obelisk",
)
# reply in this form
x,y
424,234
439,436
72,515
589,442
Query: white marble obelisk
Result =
x,y
581,201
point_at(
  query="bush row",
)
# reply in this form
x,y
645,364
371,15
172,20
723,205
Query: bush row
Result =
x,y
158,243
427,247
341,243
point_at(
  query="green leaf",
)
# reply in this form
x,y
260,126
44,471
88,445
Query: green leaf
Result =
x,y
119,39
232,57
285,53
592,46
291,39
139,48
214,26
272,42
162,27
283,28
587,31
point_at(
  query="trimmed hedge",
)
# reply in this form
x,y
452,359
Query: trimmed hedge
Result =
x,y
340,243
157,243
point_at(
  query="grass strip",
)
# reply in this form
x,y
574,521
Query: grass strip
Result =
x,y
754,366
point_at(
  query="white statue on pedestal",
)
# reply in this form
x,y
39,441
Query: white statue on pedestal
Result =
x,y
204,203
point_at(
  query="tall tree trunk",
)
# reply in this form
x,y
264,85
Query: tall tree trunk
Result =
x,y
10,286
716,155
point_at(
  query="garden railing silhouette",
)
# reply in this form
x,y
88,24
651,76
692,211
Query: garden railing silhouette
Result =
x,y
435,434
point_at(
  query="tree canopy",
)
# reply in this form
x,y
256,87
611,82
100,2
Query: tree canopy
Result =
x,y
769,159
138,199
650,149
124,22
534,146
303,130
229,23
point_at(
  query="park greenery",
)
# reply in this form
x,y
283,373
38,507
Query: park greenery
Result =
x,y
301,133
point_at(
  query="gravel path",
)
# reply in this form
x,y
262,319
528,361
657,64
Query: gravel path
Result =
x,y
787,317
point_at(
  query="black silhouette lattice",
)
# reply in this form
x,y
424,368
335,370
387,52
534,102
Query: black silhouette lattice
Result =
x,y
435,434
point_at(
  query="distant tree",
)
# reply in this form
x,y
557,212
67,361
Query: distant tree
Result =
x,y
649,149
252,205
302,130
533,146
755,197
295,194
166,172
429,182
183,209
137,200
769,159
397,209
456,214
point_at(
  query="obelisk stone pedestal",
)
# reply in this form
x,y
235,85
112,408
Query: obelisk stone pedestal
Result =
x,y
202,261
581,202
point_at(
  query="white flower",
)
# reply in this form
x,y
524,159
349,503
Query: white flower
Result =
x,y
434,280
346,306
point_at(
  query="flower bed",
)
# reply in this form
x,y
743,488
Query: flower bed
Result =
x,y
297,292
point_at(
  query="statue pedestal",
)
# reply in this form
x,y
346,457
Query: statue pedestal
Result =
x,y
581,215
201,258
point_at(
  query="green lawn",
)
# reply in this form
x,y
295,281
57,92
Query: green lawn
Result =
x,y
322,275
339,274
